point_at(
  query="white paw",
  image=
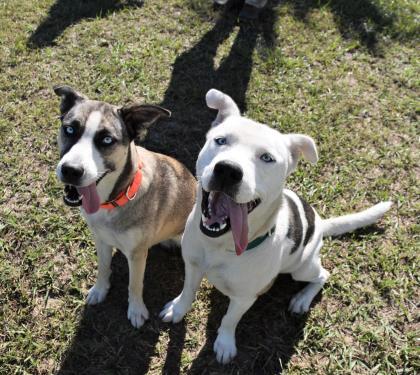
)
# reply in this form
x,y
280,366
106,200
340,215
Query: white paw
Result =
x,y
300,303
225,348
137,313
96,295
174,311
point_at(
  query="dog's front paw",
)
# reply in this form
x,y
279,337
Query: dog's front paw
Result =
x,y
225,348
137,313
96,295
300,303
174,311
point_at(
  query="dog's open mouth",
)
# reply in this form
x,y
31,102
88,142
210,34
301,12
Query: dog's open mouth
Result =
x,y
220,214
86,196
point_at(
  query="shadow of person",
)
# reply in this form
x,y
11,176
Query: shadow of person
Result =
x,y
65,13
266,335
105,341
362,19
194,73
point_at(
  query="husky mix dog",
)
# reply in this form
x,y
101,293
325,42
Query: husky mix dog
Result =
x,y
130,197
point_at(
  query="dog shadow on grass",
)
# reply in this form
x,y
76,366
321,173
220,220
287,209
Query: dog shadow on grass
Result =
x,y
105,341
64,13
266,336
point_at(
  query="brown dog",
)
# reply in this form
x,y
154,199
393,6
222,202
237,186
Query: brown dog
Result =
x,y
131,198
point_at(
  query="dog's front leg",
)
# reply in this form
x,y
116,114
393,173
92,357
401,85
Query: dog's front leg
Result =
x,y
137,311
99,291
175,310
225,346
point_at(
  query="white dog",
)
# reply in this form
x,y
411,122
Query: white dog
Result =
x,y
245,228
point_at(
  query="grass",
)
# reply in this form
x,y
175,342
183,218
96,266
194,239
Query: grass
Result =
x,y
346,73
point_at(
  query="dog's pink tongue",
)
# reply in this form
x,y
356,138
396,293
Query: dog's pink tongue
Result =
x,y
90,200
238,214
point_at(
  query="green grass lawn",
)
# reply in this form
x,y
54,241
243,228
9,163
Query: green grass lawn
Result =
x,y
344,72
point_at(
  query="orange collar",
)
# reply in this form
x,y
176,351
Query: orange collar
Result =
x,y
126,196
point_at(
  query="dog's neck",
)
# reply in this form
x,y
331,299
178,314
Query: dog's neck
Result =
x,y
117,181
267,222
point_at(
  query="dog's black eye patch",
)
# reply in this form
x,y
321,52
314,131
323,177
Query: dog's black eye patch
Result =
x,y
105,139
75,124
71,132
71,129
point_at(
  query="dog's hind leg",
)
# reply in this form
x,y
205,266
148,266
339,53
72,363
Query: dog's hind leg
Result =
x,y
137,311
99,291
312,272
225,344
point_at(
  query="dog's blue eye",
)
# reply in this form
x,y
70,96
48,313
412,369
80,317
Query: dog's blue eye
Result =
x,y
220,141
69,130
267,158
107,140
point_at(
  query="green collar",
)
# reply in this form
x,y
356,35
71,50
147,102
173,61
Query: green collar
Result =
x,y
259,240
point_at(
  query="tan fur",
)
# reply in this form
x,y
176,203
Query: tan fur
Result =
x,y
179,190
158,213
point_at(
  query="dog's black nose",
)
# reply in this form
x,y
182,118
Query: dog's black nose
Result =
x,y
228,173
71,173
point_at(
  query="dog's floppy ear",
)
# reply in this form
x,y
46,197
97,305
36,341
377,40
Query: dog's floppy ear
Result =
x,y
225,105
298,145
69,97
139,117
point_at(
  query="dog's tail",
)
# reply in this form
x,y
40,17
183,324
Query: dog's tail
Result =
x,y
348,223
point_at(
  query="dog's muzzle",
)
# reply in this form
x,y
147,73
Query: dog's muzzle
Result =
x,y
221,225
71,196
226,178
71,174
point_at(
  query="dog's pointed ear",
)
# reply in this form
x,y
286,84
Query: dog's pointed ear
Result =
x,y
225,105
300,145
139,117
69,97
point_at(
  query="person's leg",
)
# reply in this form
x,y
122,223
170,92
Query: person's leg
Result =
x,y
252,9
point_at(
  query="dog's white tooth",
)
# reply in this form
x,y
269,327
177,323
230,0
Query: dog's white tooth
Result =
x,y
223,226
